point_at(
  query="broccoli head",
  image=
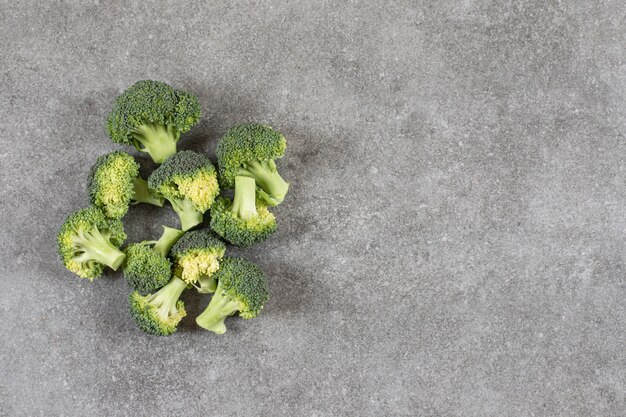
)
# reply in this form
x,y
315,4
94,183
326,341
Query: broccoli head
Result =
x,y
250,150
159,313
88,241
244,221
197,257
114,183
241,286
151,115
147,267
188,180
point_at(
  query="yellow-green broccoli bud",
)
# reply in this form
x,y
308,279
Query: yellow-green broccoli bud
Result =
x,y
197,257
114,184
188,180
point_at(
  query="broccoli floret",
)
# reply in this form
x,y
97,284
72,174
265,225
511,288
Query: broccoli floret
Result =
x,y
141,193
189,181
250,150
147,267
241,286
159,313
151,115
197,257
88,241
114,183
245,221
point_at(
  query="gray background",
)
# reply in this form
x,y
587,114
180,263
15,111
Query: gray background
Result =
x,y
452,245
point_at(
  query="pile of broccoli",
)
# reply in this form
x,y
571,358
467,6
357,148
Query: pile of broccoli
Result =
x,y
238,195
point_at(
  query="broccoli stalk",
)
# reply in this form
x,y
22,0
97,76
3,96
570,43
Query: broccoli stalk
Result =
x,y
164,302
93,245
169,237
159,141
220,307
189,216
206,284
270,185
141,194
244,201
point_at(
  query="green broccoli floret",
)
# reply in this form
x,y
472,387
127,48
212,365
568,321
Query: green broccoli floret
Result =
x,y
245,221
88,241
159,313
147,267
151,115
114,183
250,150
197,257
241,286
189,181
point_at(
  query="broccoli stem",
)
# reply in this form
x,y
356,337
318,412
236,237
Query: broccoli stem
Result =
x,y
271,185
158,141
143,195
207,284
167,240
164,300
189,216
244,201
95,246
220,307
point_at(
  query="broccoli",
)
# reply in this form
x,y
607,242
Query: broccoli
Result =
x,y
88,241
147,267
196,257
250,150
151,115
114,183
245,221
189,181
159,313
241,286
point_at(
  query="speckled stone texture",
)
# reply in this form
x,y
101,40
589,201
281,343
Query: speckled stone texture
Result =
x,y
453,243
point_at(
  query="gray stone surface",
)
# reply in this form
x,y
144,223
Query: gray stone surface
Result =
x,y
452,245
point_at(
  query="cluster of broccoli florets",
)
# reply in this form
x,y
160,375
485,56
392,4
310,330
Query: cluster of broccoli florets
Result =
x,y
151,116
